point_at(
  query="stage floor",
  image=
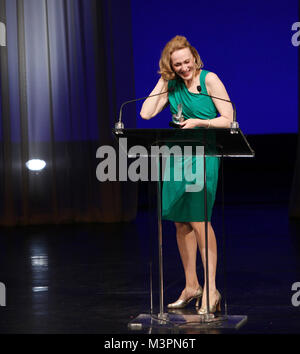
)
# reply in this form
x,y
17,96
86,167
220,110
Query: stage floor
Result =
x,y
96,278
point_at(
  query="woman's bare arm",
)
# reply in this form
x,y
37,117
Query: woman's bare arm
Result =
x,y
153,105
215,88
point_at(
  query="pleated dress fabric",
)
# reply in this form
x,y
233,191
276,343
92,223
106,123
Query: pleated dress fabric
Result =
x,y
183,182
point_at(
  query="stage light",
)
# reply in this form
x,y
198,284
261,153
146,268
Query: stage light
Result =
x,y
35,165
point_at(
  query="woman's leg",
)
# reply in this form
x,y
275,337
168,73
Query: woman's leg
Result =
x,y
187,245
199,229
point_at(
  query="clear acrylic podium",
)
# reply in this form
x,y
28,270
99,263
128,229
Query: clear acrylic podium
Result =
x,y
223,143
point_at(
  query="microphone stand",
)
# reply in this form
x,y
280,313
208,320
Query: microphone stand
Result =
x,y
119,125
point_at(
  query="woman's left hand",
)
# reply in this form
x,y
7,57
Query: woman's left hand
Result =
x,y
190,123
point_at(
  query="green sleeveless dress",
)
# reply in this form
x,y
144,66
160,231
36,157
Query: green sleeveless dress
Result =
x,y
183,198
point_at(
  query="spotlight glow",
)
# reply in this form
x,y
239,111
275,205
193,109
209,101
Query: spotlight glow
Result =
x,y
35,165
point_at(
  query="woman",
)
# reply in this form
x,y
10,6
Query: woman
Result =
x,y
181,75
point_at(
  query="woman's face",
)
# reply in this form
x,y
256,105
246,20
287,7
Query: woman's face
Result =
x,y
183,63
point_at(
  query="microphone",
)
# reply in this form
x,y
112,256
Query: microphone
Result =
x,y
119,125
234,124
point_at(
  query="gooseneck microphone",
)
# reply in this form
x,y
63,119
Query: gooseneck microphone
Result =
x,y
119,124
234,124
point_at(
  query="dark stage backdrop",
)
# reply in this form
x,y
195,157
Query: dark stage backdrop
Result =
x,y
65,70
294,207
69,64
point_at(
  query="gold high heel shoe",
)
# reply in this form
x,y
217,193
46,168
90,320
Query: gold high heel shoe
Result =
x,y
180,304
216,307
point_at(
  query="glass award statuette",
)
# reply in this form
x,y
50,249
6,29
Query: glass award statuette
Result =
x,y
177,118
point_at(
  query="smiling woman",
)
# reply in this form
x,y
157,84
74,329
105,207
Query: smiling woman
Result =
x,y
184,63
176,50
181,75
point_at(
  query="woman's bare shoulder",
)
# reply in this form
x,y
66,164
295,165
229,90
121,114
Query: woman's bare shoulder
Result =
x,y
211,78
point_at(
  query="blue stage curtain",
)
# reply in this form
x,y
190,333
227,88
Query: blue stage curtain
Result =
x,y
66,68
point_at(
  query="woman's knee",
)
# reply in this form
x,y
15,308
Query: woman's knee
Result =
x,y
183,227
199,226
